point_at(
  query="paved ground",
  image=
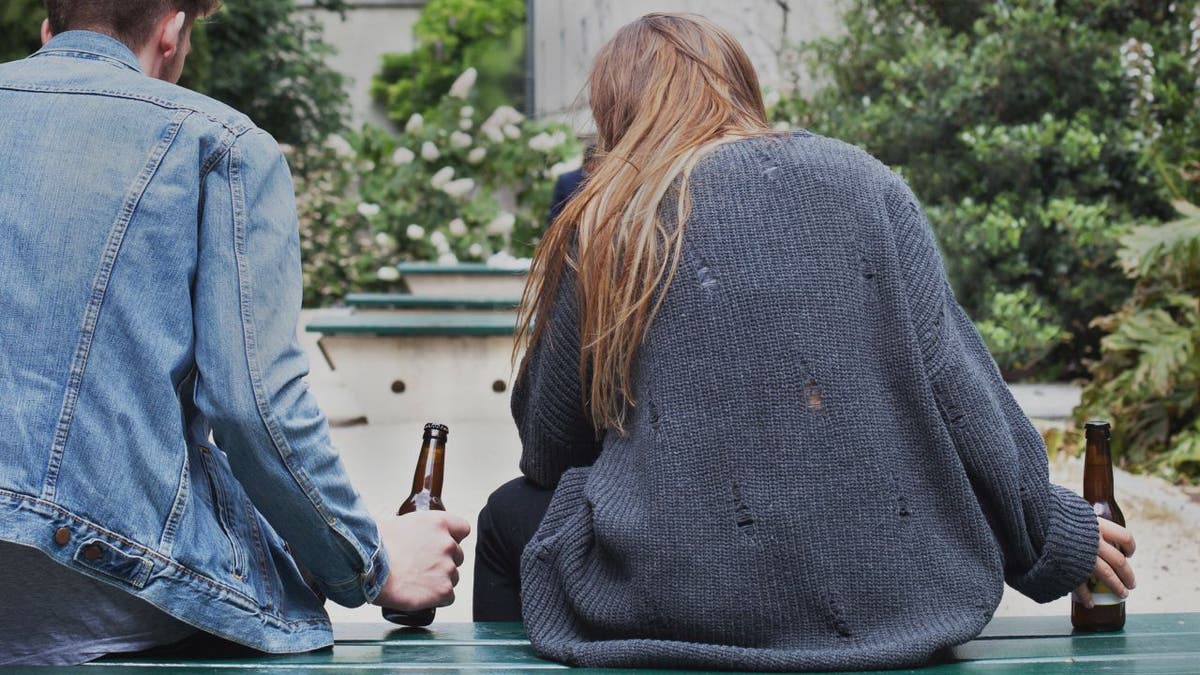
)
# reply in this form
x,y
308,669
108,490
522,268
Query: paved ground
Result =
x,y
1165,518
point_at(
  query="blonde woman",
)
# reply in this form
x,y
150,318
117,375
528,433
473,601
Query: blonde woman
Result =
x,y
775,441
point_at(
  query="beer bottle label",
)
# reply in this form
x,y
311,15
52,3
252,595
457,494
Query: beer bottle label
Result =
x,y
1102,594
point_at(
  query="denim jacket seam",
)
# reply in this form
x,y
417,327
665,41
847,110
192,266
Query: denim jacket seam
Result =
x,y
262,403
143,550
97,56
235,128
91,317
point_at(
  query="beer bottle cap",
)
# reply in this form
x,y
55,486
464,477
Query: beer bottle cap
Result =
x,y
1097,427
434,426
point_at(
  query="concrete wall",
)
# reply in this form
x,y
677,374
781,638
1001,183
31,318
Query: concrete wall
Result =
x,y
566,36
370,30
568,33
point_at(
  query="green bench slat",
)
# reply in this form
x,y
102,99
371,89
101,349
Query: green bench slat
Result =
x,y
409,301
447,324
467,269
1154,644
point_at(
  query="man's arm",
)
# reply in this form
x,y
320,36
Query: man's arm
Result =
x,y
251,370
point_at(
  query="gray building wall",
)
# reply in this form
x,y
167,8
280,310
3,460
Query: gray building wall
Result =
x,y
369,30
566,34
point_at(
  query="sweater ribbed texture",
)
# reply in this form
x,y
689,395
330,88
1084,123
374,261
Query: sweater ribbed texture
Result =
x,y
823,469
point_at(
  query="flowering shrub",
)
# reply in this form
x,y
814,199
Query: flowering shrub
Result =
x,y
454,185
1032,132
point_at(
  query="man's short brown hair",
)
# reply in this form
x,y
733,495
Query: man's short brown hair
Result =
x,y
130,21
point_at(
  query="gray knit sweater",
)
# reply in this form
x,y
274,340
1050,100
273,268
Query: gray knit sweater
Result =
x,y
823,469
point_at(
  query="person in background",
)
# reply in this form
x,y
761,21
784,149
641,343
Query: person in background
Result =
x,y
158,443
773,439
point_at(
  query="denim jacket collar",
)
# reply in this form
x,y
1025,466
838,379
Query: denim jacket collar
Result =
x,y
83,44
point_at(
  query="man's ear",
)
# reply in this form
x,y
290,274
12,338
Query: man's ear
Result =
x,y
170,38
46,34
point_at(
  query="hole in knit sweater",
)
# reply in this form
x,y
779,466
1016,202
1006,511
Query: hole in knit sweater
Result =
x,y
813,396
742,514
707,279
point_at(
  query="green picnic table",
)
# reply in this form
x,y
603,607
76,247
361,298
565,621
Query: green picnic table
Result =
x,y
1150,644
408,301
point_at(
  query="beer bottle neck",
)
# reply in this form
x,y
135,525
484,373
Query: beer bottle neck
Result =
x,y
428,475
1097,470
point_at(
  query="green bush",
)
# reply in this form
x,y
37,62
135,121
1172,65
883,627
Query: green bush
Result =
x,y
451,186
20,28
1032,130
262,57
266,59
451,36
1148,378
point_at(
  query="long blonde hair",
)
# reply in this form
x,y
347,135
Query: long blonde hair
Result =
x,y
665,91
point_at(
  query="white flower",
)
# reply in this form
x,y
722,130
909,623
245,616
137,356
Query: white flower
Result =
x,y
782,126
476,156
512,131
462,86
465,124
542,142
366,210
443,176
771,98
415,124
368,166
460,140
501,224
403,155
447,259
476,250
385,241
429,151
505,114
457,227
493,133
387,273
340,146
506,260
458,188
466,111
439,241
566,166
414,232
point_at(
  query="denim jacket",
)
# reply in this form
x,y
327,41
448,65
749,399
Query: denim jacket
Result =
x,y
156,430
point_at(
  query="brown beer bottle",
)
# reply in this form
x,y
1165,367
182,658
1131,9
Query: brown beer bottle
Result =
x,y
1109,611
426,496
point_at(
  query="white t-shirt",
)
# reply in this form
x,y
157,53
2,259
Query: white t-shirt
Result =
x,y
51,615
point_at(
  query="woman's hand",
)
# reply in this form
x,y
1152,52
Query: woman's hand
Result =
x,y
1112,562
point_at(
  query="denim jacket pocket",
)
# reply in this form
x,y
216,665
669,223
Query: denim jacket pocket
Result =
x,y
223,501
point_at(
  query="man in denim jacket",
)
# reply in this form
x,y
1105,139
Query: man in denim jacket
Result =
x,y
158,443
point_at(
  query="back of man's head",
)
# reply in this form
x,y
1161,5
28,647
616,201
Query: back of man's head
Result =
x,y
131,21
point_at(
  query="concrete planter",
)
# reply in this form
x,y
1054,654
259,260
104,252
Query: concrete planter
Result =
x,y
463,280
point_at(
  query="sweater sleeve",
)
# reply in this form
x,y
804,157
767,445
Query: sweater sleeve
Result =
x,y
1048,535
547,400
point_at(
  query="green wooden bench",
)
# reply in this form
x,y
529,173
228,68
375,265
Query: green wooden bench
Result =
x,y
440,324
407,301
1151,643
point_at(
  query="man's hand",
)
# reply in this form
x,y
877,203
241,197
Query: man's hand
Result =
x,y
424,554
1112,562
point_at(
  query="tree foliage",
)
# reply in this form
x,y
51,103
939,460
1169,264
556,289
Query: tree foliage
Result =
x,y
1148,379
266,59
263,57
451,36
20,28
1032,130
